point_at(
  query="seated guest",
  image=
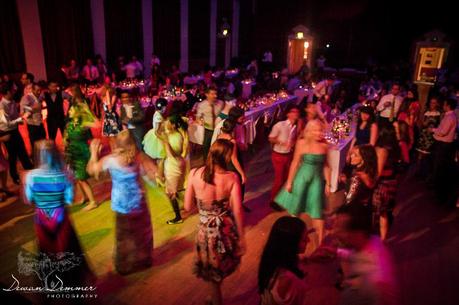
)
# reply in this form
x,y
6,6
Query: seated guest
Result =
x,y
73,71
280,279
363,159
370,277
90,73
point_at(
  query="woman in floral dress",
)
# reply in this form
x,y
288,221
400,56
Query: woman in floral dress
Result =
x,y
220,239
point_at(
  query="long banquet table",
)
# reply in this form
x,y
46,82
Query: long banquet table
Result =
x,y
266,112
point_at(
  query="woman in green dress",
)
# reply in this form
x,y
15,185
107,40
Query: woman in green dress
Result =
x,y
309,177
76,137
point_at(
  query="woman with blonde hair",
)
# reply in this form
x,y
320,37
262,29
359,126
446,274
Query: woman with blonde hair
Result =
x,y
134,238
309,177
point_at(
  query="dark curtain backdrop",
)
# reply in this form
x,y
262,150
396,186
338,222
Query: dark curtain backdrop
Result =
x,y
12,57
123,29
166,31
246,26
67,32
198,35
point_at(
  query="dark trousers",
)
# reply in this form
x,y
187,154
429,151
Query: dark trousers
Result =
x,y
36,133
444,171
207,142
281,164
15,147
53,125
137,133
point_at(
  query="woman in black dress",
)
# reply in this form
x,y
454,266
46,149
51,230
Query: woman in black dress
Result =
x,y
362,182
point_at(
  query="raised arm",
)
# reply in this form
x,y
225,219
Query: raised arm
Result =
x,y
95,166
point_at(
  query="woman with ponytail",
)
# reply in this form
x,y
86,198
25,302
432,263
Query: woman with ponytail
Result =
x,y
220,240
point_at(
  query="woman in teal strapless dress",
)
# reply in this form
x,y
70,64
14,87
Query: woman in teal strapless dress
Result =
x,y
309,177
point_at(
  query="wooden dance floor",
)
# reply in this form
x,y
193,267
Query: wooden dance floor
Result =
x,y
424,240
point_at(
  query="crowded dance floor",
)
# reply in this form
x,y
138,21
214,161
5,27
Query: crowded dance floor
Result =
x,y
237,152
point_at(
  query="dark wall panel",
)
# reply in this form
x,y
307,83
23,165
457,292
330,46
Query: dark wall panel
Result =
x,y
123,28
199,32
166,31
66,31
12,57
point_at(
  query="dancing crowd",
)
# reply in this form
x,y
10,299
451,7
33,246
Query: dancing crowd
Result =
x,y
395,136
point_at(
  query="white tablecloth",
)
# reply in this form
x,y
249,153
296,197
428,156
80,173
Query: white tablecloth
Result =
x,y
337,159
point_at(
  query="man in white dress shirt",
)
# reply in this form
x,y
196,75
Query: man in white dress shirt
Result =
x,y
444,174
325,88
283,138
389,105
90,73
31,110
207,112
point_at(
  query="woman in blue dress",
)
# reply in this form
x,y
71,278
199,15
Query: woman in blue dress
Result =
x,y
134,237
